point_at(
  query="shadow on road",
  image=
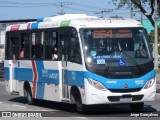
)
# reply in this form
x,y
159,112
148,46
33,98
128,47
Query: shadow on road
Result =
x,y
63,109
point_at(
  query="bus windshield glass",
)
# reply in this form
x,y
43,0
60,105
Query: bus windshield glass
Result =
x,y
120,47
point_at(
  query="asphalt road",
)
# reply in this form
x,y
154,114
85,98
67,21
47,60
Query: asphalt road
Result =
x,y
66,111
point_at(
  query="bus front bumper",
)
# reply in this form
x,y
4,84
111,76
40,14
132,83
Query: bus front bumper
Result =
x,y
95,96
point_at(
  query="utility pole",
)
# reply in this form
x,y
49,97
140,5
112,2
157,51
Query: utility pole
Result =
x,y
104,11
62,4
131,13
156,39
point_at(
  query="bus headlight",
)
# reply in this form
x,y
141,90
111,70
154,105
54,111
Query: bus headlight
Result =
x,y
96,84
149,83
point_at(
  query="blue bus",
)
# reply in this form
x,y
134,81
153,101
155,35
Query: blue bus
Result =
x,y
98,61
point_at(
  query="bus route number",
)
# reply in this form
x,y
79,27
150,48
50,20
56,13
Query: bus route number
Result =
x,y
102,34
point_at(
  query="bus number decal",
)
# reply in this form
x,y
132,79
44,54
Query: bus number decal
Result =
x,y
44,73
102,34
100,61
47,74
53,75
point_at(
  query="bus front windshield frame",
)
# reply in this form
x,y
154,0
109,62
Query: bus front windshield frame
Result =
x,y
115,47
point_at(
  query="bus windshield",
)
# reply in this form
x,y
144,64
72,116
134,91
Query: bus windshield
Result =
x,y
122,47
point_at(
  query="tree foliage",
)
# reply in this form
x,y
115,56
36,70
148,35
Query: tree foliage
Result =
x,y
140,4
151,36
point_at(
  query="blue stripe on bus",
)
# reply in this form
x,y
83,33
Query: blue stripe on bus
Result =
x,y
40,85
34,25
45,76
26,74
53,77
23,74
40,19
6,75
119,83
40,90
75,78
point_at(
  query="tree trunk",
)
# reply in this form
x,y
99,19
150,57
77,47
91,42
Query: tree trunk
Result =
x,y
150,19
138,4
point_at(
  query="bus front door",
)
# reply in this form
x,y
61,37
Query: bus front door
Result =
x,y
64,57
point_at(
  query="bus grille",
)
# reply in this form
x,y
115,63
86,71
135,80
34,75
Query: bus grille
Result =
x,y
117,98
124,90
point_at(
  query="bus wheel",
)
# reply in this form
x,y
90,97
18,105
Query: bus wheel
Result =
x,y
29,96
136,107
79,105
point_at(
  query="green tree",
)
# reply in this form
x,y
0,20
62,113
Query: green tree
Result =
x,y
139,4
151,36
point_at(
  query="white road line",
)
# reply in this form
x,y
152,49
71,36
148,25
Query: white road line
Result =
x,y
82,118
44,110
1,102
17,105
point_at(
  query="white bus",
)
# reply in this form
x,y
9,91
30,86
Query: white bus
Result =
x,y
99,61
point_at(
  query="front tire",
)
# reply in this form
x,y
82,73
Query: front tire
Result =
x,y
79,106
136,107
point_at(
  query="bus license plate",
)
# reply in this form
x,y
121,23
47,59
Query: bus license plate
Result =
x,y
125,99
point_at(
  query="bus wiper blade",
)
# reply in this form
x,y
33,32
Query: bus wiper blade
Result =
x,y
108,63
132,60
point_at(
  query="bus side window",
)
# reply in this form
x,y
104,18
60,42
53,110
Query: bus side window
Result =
x,y
37,47
24,46
13,46
14,49
7,53
50,43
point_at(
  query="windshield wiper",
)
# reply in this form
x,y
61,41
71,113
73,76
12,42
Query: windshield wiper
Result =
x,y
132,60
109,62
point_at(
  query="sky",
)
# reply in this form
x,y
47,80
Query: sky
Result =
x,y
33,9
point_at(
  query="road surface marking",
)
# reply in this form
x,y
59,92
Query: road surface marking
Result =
x,y
82,118
17,105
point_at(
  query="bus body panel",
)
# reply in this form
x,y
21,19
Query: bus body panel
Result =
x,y
95,96
48,81
132,83
11,83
